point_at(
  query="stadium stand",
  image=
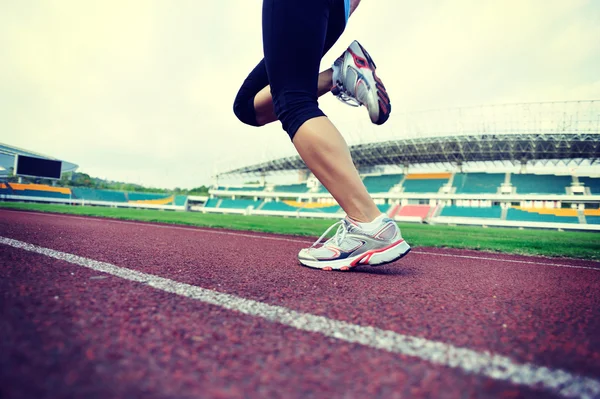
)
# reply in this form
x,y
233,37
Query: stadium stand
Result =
x,y
540,184
239,203
592,216
477,183
291,188
133,196
542,215
494,212
383,207
212,203
324,209
381,184
425,182
592,182
36,190
91,194
278,206
224,188
180,200
420,211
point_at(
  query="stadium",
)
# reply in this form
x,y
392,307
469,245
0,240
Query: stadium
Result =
x,y
110,293
482,166
160,237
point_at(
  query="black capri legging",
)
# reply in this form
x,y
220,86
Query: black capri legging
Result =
x,y
296,35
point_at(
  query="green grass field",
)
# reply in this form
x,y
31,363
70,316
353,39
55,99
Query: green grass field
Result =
x,y
582,245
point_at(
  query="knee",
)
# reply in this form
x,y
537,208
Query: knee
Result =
x,y
243,108
294,109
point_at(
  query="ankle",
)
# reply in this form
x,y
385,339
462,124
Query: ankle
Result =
x,y
371,224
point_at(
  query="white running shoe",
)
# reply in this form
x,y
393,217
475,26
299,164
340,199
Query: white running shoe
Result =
x,y
352,246
356,83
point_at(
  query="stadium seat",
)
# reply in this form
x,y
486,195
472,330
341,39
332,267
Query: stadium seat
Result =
x,y
239,203
278,206
91,194
592,182
291,188
211,203
478,183
537,215
592,219
135,196
540,184
494,212
180,200
36,190
324,209
381,184
420,211
425,183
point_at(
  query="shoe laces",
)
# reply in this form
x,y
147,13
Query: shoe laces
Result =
x,y
340,93
349,100
338,237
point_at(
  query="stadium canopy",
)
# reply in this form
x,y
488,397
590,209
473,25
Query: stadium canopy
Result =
x,y
8,154
546,133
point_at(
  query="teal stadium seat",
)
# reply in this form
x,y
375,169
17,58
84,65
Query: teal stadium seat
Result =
x,y
494,212
134,196
478,183
291,188
381,184
592,219
39,193
383,208
327,209
592,182
524,216
423,185
211,203
180,200
239,203
278,206
91,194
540,184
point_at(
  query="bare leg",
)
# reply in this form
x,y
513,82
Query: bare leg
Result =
x,y
326,154
263,102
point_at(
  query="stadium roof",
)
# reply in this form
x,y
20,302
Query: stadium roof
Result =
x,y
536,132
8,153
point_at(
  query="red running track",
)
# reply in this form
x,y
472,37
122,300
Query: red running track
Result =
x,y
69,331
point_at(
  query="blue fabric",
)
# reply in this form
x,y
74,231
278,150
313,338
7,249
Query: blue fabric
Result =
x,y
347,5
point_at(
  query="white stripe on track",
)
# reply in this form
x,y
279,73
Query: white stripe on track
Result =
x,y
263,237
497,367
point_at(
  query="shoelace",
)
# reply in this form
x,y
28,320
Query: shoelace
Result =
x,y
339,236
346,99
340,93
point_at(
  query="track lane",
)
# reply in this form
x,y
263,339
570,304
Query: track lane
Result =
x,y
531,313
73,332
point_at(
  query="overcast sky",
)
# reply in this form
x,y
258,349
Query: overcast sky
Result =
x,y
142,91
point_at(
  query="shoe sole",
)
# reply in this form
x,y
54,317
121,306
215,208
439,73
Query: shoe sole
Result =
x,y
376,257
385,107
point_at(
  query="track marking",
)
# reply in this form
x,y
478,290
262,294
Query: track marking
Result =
x,y
264,237
497,367
508,260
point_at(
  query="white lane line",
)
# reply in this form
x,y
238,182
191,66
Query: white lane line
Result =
x,y
508,260
306,242
469,361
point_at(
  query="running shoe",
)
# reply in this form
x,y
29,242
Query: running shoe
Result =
x,y
352,246
356,83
